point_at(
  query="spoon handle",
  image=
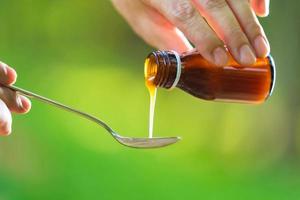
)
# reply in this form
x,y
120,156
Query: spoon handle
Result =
x,y
59,105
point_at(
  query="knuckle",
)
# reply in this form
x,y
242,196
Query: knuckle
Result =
x,y
207,43
213,4
182,11
148,2
253,27
8,98
1,92
236,35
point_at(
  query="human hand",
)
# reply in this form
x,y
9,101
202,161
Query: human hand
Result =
x,y
208,24
9,100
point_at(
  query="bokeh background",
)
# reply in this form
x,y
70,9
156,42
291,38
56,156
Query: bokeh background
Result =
x,y
83,53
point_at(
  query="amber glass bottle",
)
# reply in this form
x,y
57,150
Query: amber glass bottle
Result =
x,y
198,77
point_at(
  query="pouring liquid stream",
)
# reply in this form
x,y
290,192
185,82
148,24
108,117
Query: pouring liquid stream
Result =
x,y
152,91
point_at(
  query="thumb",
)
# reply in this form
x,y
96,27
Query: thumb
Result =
x,y
261,7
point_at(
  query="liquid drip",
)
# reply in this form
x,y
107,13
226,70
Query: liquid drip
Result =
x,y
152,91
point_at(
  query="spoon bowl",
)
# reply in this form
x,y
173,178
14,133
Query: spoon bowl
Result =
x,y
154,142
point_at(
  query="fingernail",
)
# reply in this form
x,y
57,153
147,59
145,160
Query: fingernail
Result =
x,y
26,104
19,102
3,68
261,46
9,73
247,57
220,56
267,7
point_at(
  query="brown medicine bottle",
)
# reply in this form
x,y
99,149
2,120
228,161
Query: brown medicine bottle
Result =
x,y
198,77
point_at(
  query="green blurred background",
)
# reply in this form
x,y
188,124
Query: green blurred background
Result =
x,y
85,55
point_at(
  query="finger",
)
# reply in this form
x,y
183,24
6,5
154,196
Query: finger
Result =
x,y
16,103
220,17
251,26
7,74
185,16
152,26
261,7
5,119
163,37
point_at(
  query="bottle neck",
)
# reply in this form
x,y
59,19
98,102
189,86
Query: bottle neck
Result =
x,y
163,69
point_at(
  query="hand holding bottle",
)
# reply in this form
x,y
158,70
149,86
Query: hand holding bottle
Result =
x,y
208,24
9,100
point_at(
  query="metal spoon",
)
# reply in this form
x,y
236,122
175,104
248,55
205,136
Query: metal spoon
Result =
x,y
155,142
